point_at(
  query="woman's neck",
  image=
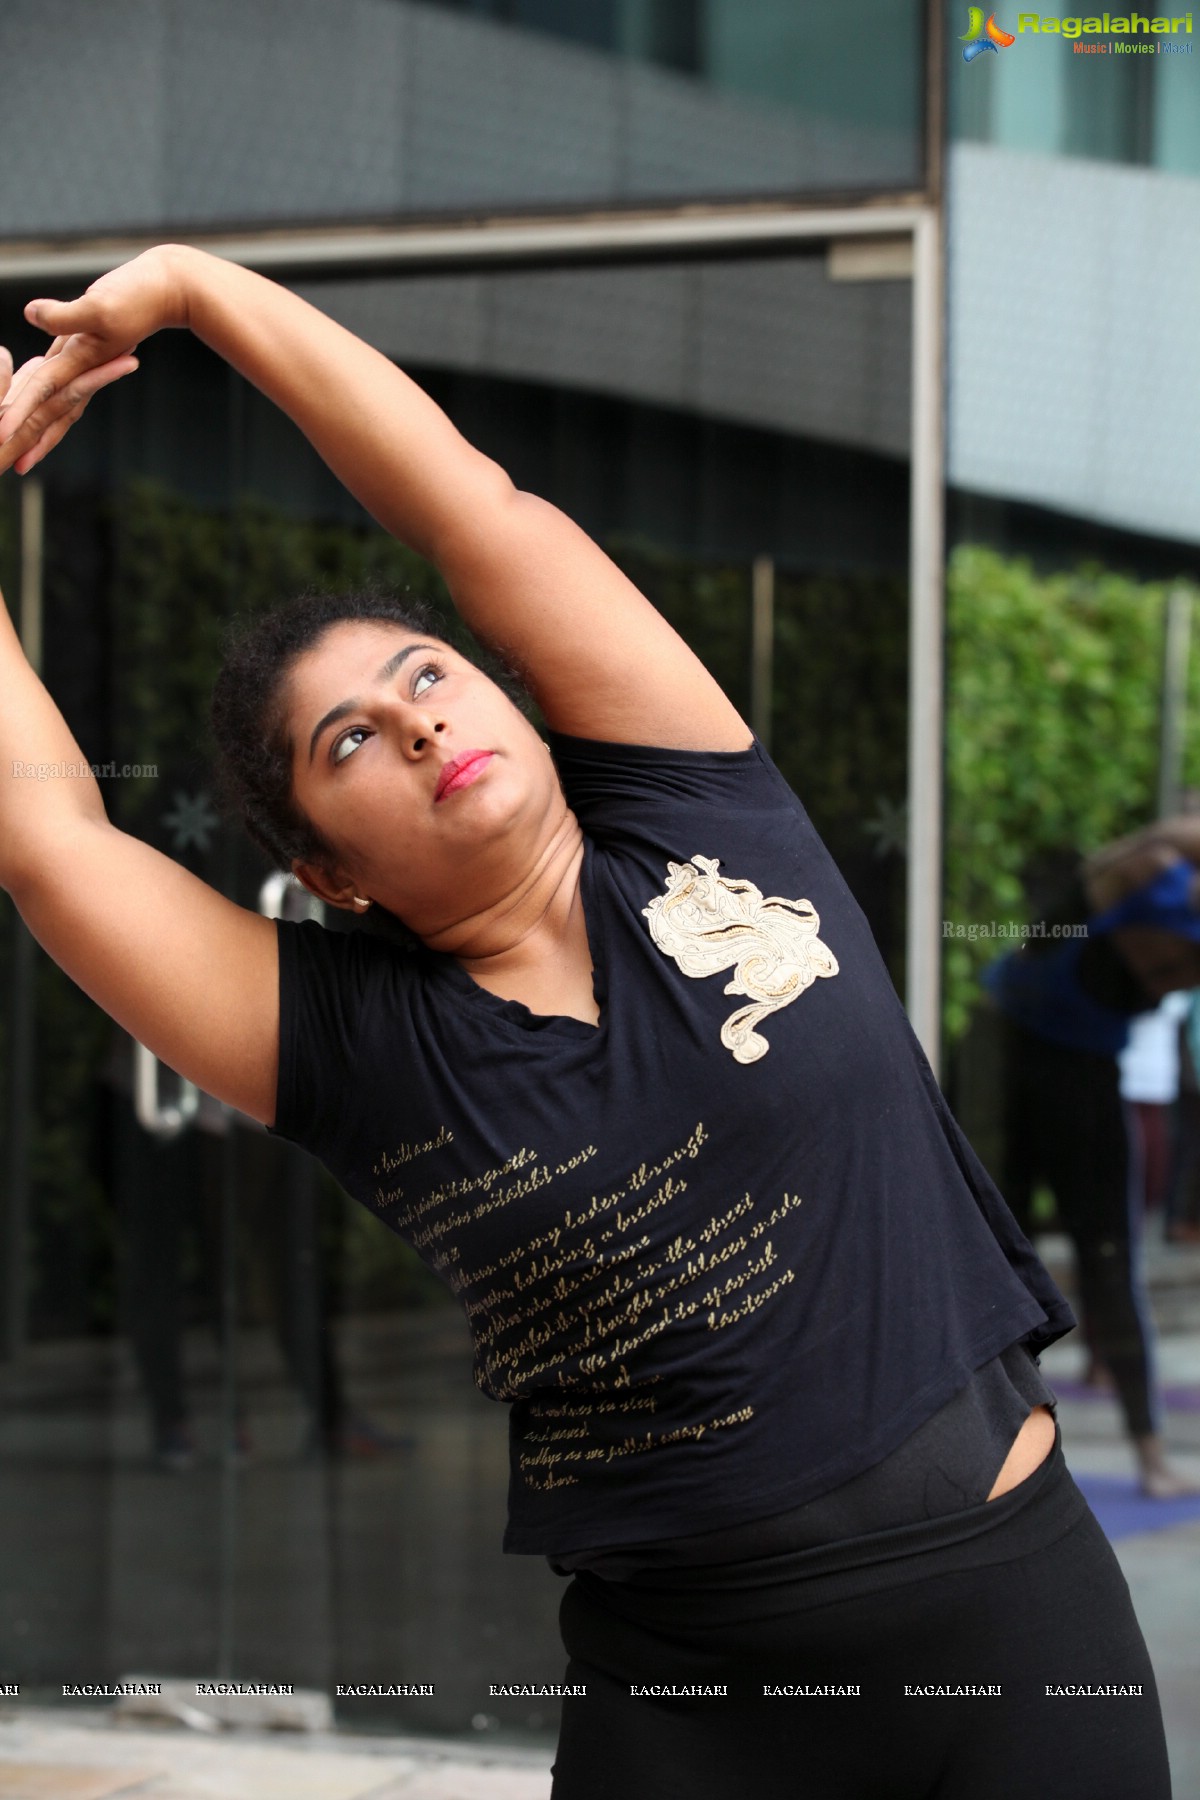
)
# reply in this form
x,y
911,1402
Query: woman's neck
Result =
x,y
534,923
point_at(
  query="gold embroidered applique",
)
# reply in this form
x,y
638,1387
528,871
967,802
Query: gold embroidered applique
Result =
x,y
709,923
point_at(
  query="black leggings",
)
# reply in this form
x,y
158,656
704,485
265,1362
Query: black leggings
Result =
x,y
1064,1124
1023,1593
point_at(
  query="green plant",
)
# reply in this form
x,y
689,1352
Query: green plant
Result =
x,y
1052,724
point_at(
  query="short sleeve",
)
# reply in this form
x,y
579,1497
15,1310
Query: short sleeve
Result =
x,y
325,983
608,784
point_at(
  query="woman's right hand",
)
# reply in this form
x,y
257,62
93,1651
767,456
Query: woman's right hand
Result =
x,y
94,342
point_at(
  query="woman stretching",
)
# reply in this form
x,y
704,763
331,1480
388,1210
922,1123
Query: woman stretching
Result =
x,y
643,1096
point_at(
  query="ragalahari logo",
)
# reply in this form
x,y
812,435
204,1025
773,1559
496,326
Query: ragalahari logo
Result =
x,y
980,37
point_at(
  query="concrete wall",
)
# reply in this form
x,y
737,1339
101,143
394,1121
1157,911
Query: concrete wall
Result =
x,y
1074,358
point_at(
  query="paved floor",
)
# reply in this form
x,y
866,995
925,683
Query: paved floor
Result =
x,y
92,1758
1157,1544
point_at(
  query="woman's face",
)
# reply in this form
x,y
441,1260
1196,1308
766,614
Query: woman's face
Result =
x,y
435,792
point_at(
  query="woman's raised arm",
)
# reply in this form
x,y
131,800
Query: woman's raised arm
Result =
x,y
187,972
600,660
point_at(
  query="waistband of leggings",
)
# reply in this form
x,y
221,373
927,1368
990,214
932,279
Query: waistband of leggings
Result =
x,y
1040,1509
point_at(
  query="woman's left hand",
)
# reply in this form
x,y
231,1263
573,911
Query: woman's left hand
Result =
x,y
94,339
40,402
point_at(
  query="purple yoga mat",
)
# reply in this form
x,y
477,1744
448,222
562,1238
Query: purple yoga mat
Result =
x,y
1175,1399
1124,1511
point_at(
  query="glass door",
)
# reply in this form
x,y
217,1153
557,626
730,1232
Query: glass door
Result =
x,y
238,1435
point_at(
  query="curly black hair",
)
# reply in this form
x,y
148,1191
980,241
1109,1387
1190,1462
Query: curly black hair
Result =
x,y
249,710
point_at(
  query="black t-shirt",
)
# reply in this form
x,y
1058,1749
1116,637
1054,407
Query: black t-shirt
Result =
x,y
724,1250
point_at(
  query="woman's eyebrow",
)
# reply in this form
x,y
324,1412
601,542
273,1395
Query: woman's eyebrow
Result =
x,y
347,706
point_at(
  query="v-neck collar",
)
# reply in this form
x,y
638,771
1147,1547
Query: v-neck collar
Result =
x,y
515,1012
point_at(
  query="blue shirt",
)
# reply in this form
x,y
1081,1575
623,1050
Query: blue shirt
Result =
x,y
1041,989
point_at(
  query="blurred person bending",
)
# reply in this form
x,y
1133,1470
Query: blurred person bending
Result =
x,y
1123,935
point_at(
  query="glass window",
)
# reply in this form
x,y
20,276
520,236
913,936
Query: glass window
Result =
x,y
1098,95
237,1400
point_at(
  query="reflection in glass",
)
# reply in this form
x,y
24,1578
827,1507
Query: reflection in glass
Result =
x,y
397,108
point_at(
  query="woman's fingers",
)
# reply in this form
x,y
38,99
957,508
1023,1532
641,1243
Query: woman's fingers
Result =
x,y
94,339
38,396
98,332
6,370
78,395
40,407
18,383
53,435
75,315
95,318
18,402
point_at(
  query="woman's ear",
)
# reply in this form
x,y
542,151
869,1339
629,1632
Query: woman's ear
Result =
x,y
334,887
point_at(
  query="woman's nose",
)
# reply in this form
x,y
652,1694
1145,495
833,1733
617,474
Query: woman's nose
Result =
x,y
419,726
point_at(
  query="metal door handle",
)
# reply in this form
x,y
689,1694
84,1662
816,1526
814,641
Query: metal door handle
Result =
x,y
278,895
162,1119
282,897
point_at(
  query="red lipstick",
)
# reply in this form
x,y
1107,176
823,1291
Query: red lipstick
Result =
x,y
461,772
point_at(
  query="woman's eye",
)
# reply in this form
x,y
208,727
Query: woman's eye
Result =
x,y
346,745
425,680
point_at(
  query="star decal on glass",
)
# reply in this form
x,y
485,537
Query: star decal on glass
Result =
x,y
889,827
192,820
